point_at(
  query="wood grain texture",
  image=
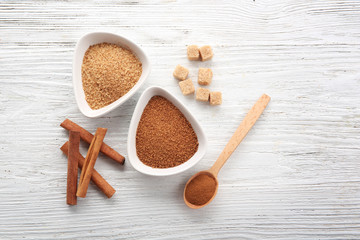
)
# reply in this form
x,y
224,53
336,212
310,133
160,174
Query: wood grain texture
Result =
x,y
296,174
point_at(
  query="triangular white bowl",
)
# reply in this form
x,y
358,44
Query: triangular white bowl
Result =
x,y
131,145
99,37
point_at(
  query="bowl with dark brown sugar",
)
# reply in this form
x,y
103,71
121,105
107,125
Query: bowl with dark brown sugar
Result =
x,y
107,70
164,137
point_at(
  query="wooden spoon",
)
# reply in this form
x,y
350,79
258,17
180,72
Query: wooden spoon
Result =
x,y
230,147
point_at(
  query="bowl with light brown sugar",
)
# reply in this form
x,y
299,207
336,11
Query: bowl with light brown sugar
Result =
x,y
107,70
164,137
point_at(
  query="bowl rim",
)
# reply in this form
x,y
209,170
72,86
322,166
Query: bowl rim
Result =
x,y
76,66
131,142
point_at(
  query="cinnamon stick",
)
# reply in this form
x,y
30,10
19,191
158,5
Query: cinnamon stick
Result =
x,y
89,162
97,179
72,173
87,137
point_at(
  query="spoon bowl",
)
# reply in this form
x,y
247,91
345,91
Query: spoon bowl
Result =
x,y
208,173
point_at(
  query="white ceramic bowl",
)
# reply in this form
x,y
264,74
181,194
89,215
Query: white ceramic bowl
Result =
x,y
131,145
99,37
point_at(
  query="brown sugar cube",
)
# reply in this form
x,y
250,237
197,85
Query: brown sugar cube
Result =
x,y
187,87
181,72
206,53
205,76
215,98
193,53
202,94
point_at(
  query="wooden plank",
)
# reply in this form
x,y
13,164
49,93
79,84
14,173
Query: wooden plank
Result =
x,y
295,176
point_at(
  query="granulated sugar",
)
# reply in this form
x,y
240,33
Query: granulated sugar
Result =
x,y
108,73
164,137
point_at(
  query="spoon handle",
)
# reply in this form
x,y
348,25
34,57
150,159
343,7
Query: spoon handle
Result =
x,y
241,132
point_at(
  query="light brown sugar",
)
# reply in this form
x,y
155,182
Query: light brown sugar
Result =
x,y
108,72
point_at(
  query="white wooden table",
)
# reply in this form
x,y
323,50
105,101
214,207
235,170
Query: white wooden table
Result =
x,y
295,176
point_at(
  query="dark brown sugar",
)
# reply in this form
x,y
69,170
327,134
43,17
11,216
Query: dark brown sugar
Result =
x,y
164,137
200,190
